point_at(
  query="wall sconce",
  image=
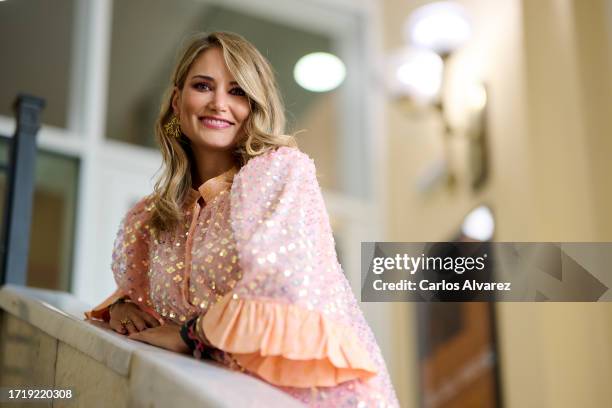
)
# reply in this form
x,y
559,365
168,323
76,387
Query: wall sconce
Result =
x,y
420,78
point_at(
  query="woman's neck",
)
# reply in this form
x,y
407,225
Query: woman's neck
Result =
x,y
210,164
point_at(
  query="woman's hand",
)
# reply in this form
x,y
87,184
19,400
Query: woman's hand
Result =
x,y
167,336
129,318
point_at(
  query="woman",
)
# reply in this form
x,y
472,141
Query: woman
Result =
x,y
242,268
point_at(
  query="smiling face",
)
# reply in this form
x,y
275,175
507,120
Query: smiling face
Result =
x,y
211,106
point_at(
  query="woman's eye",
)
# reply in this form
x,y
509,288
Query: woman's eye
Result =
x,y
238,92
202,86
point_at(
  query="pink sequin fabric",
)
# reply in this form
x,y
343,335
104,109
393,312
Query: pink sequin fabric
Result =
x,y
259,244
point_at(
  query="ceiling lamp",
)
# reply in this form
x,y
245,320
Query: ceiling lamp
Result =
x,y
319,72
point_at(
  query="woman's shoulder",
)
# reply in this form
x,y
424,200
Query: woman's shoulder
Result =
x,y
289,155
140,212
281,160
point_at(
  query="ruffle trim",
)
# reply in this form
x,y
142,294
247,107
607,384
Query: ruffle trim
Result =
x,y
101,311
285,344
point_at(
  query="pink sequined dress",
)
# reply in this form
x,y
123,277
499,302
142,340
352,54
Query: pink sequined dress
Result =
x,y
255,257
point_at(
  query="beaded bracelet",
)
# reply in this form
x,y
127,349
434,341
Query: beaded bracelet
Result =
x,y
200,347
192,340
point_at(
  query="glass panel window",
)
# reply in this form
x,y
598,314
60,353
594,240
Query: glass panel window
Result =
x,y
53,218
36,44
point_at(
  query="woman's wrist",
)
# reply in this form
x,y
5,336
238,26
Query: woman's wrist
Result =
x,y
194,338
185,335
200,333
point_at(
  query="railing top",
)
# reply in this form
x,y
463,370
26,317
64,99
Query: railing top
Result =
x,y
59,314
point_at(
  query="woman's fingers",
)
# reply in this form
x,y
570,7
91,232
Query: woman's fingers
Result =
x,y
140,316
138,321
128,318
116,326
131,328
149,320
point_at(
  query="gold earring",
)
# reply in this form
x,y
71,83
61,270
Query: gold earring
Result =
x,y
173,128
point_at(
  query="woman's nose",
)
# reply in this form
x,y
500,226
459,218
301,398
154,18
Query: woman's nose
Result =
x,y
219,101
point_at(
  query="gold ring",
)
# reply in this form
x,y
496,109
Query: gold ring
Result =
x,y
125,322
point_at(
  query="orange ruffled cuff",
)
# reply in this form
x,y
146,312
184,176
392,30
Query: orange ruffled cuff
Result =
x,y
286,345
102,310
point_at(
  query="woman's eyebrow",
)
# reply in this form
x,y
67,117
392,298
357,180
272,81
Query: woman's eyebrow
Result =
x,y
209,78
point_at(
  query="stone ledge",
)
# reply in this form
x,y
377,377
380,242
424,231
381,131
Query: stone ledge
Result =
x,y
153,377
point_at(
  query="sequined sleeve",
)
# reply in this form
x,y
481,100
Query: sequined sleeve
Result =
x,y
292,319
130,261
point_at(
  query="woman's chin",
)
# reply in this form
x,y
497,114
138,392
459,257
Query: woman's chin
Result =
x,y
215,143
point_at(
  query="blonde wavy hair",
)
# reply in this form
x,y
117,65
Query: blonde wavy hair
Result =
x,y
263,129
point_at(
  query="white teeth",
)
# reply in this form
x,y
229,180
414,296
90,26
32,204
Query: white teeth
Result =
x,y
216,122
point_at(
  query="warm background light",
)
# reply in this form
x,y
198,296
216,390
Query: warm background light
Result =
x,y
477,97
319,72
479,224
441,27
418,73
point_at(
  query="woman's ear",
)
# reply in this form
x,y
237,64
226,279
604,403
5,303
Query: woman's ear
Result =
x,y
176,99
